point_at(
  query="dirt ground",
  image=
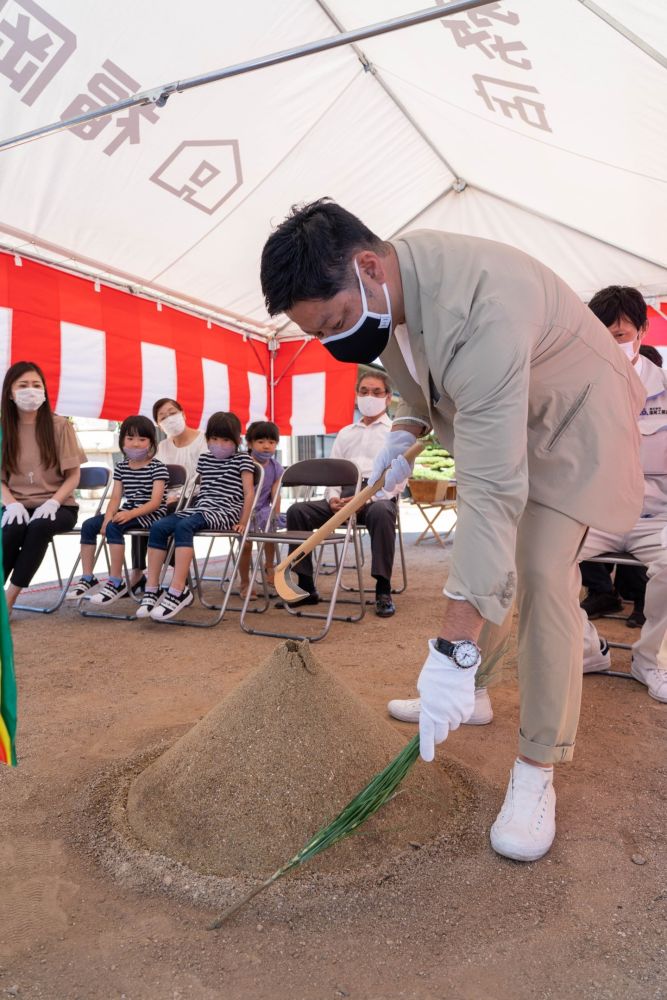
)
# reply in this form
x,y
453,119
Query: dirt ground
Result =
x,y
444,919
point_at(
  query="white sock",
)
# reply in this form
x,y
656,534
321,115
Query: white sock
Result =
x,y
530,770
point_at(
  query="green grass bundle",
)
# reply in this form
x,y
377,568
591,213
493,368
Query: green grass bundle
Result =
x,y
378,791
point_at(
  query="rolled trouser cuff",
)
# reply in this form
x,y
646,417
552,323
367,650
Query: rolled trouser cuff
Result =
x,y
545,754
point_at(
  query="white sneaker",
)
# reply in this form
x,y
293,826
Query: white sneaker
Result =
x,y
110,593
598,663
171,605
526,824
148,602
654,678
407,710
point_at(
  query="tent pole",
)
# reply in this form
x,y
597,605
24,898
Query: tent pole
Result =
x,y
159,95
273,346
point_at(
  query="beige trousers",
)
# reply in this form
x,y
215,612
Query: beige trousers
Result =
x,y
550,633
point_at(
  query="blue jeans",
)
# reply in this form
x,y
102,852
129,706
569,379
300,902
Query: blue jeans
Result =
x,y
90,529
182,528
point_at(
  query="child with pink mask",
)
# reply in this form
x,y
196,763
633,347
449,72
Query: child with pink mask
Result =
x,y
137,500
226,491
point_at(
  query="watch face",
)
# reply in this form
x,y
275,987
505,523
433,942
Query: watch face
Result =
x,y
466,653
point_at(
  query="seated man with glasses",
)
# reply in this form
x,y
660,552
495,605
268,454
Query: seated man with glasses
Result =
x,y
359,443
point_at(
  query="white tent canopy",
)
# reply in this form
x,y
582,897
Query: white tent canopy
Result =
x,y
538,124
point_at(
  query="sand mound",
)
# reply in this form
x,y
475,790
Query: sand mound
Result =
x,y
247,786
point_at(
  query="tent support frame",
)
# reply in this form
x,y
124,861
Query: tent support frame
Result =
x,y
159,95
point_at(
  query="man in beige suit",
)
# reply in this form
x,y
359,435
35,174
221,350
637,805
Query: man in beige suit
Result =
x,y
526,388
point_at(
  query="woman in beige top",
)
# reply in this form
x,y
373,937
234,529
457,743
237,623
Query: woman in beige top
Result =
x,y
40,471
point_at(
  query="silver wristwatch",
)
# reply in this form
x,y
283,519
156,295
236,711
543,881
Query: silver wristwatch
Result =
x,y
465,653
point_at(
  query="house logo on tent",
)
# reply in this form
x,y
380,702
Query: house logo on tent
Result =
x,y
202,172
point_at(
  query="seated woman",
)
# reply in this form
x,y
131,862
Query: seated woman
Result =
x,y
182,446
41,456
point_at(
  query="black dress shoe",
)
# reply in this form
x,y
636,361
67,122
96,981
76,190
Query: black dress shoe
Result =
x,y
313,598
384,606
637,618
596,605
139,587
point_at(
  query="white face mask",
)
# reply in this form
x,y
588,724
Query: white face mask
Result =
x,y
173,425
629,350
371,406
29,400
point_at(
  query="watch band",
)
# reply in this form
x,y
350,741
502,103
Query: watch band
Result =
x,y
445,647
454,649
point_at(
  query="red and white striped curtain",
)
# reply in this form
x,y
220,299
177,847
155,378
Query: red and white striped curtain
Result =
x,y
107,353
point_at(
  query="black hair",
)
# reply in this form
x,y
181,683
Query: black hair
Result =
x,y
224,425
142,427
262,429
9,421
159,403
309,255
613,303
652,353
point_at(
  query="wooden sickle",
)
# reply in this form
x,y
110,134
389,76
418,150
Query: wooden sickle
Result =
x,y
285,586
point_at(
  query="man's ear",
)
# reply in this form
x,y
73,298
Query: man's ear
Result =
x,y
372,265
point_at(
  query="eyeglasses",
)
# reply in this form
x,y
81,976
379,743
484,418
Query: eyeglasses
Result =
x,y
372,392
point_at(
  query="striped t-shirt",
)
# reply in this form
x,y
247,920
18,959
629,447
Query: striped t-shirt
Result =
x,y
138,487
220,497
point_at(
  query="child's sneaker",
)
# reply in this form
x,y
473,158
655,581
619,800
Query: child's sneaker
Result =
x,y
81,588
171,605
110,593
148,602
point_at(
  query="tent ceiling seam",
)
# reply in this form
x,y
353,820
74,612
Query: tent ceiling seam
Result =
x,y
623,30
443,194
566,225
263,180
371,68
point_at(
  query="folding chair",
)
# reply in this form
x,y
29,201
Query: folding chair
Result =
x,y
178,478
228,575
92,477
311,472
619,559
363,530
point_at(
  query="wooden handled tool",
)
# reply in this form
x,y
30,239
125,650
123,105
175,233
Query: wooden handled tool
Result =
x,y
287,589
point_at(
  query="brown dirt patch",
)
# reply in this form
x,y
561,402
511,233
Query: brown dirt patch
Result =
x,y
449,919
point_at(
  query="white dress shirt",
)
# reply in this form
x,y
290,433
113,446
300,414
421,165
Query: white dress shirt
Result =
x,y
360,443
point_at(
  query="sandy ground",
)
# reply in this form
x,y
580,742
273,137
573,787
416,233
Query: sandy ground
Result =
x,y
447,918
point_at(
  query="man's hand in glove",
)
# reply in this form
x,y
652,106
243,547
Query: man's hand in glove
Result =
x,y
391,458
447,695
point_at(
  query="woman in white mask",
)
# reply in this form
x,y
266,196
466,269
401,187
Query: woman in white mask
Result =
x,y
182,446
41,456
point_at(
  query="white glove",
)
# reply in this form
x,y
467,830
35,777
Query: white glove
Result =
x,y
447,699
48,509
15,512
391,457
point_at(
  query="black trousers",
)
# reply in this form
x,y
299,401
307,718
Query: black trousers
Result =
x,y
378,516
630,581
24,545
140,545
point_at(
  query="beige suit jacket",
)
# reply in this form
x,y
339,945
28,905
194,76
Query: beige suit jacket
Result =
x,y
527,389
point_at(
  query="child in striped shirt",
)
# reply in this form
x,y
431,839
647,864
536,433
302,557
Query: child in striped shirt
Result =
x,y
140,482
226,491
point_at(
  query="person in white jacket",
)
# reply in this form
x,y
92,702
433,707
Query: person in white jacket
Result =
x,y
623,312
